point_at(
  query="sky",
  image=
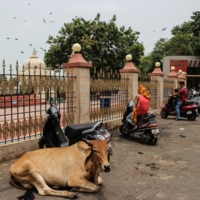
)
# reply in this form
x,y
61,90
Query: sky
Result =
x,y
23,20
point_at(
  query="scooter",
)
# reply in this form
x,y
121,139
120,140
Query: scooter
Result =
x,y
147,126
197,99
53,135
193,93
189,109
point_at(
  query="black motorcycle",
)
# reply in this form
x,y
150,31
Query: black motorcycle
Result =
x,y
147,126
53,135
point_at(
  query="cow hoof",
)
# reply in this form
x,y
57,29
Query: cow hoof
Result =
x,y
100,180
72,195
74,190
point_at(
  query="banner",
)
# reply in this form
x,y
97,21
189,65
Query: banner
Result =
x,y
179,64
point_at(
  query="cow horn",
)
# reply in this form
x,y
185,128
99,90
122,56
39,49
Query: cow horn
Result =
x,y
87,141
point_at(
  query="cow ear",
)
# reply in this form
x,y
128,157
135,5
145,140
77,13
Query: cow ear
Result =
x,y
88,163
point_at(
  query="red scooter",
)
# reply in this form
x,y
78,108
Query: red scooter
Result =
x,y
189,109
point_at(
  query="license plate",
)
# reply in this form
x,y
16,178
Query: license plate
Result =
x,y
189,112
155,131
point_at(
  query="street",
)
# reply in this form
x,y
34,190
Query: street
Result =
x,y
167,171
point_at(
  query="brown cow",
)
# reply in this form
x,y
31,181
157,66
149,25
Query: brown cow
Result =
x,y
76,166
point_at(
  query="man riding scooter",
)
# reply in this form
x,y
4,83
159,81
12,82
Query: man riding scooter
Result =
x,y
184,108
182,97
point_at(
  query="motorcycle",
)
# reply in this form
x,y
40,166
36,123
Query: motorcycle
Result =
x,y
189,109
197,99
147,126
54,136
193,93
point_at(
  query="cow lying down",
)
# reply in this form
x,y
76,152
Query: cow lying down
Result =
x,y
76,166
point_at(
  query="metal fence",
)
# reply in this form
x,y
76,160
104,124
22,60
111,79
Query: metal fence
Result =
x,y
26,95
168,87
108,97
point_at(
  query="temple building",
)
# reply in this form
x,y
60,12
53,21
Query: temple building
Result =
x,y
36,65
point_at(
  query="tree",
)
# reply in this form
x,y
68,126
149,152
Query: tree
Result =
x,y
146,64
180,45
104,44
196,32
185,28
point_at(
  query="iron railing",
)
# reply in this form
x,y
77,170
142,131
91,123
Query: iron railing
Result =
x,y
168,87
26,95
108,98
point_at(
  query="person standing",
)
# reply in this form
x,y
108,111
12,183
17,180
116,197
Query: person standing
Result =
x,y
182,97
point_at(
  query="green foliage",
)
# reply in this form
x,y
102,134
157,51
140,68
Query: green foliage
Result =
x,y
196,32
180,45
184,42
146,64
185,28
102,43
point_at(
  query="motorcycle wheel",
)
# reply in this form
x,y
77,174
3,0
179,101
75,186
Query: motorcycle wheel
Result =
x,y
164,114
123,131
192,117
149,138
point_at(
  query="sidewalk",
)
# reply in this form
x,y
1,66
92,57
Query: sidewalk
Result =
x,y
168,171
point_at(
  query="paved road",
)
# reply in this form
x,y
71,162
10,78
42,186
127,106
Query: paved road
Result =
x,y
168,171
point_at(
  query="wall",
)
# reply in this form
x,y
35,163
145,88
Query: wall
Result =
x,y
166,61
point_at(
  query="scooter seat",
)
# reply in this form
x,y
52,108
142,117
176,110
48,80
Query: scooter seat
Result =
x,y
143,116
188,102
72,131
149,115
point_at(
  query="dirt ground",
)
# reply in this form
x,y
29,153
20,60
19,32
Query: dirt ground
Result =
x,y
167,171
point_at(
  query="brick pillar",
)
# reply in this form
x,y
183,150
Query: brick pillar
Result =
x,y
81,86
181,77
132,73
157,74
173,76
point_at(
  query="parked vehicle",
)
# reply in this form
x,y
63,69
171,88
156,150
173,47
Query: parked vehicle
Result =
x,y
193,93
197,99
147,126
189,109
53,135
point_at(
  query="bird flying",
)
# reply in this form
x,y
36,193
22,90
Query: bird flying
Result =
x,y
16,39
22,52
8,38
164,29
15,17
50,13
30,44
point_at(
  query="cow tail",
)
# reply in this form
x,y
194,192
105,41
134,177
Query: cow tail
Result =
x,y
14,183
